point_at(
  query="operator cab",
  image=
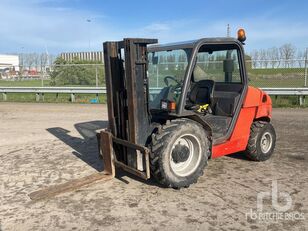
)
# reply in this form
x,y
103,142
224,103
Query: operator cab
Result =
x,y
216,84
205,78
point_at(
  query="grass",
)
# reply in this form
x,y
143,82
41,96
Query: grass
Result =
x,y
287,101
24,83
33,83
296,82
48,98
277,77
275,71
53,98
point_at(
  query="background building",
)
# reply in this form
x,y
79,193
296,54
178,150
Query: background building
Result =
x,y
86,56
9,61
9,65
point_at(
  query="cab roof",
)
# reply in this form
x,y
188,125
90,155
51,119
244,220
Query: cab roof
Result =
x,y
190,43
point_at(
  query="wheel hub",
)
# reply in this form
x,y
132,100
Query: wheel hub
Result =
x,y
266,142
185,155
180,153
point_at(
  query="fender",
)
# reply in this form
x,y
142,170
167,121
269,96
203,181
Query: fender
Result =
x,y
261,101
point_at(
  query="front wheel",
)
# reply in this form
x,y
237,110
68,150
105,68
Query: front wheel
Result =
x,y
261,142
180,150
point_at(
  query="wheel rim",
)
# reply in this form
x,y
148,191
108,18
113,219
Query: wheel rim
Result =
x,y
188,166
266,142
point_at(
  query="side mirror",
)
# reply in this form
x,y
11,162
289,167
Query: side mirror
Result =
x,y
155,60
228,69
228,65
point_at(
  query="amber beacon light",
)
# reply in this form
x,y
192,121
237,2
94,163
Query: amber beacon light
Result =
x,y
241,36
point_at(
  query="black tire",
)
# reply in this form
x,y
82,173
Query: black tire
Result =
x,y
162,151
255,150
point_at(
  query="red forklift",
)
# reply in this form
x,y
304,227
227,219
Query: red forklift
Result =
x,y
173,107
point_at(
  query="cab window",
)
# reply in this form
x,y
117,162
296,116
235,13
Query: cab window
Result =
x,y
217,65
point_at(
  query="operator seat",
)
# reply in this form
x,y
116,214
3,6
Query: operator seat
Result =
x,y
201,93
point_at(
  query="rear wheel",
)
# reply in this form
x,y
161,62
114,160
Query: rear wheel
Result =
x,y
261,142
180,150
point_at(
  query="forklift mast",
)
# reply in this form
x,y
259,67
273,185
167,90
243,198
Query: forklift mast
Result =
x,y
127,96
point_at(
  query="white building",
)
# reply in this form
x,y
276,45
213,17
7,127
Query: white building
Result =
x,y
9,63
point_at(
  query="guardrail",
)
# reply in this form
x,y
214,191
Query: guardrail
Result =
x,y
300,92
40,91
286,91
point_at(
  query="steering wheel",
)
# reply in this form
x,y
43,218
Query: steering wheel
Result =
x,y
178,83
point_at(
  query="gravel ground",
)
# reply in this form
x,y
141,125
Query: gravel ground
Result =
x,y
47,144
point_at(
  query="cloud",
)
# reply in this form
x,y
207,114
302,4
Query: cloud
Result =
x,y
36,24
262,31
166,31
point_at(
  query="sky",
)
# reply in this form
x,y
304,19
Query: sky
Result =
x,y
83,25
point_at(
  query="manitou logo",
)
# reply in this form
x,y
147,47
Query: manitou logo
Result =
x,y
275,195
281,203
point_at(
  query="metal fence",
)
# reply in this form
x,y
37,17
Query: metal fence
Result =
x,y
40,91
261,73
277,73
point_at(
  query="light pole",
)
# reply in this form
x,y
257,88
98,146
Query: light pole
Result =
x,y
306,57
89,21
228,30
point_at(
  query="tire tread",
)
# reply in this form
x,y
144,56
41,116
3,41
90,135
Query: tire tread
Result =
x,y
159,142
252,151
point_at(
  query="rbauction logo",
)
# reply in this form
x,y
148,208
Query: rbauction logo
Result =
x,y
280,209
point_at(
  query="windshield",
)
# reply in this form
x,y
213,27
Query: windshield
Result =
x,y
166,72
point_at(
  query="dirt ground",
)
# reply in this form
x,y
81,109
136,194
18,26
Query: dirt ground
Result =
x,y
47,144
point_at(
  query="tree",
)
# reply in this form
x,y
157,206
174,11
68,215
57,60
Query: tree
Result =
x,y
248,62
36,61
43,62
30,60
255,57
21,63
182,61
263,58
75,72
274,58
300,58
287,52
